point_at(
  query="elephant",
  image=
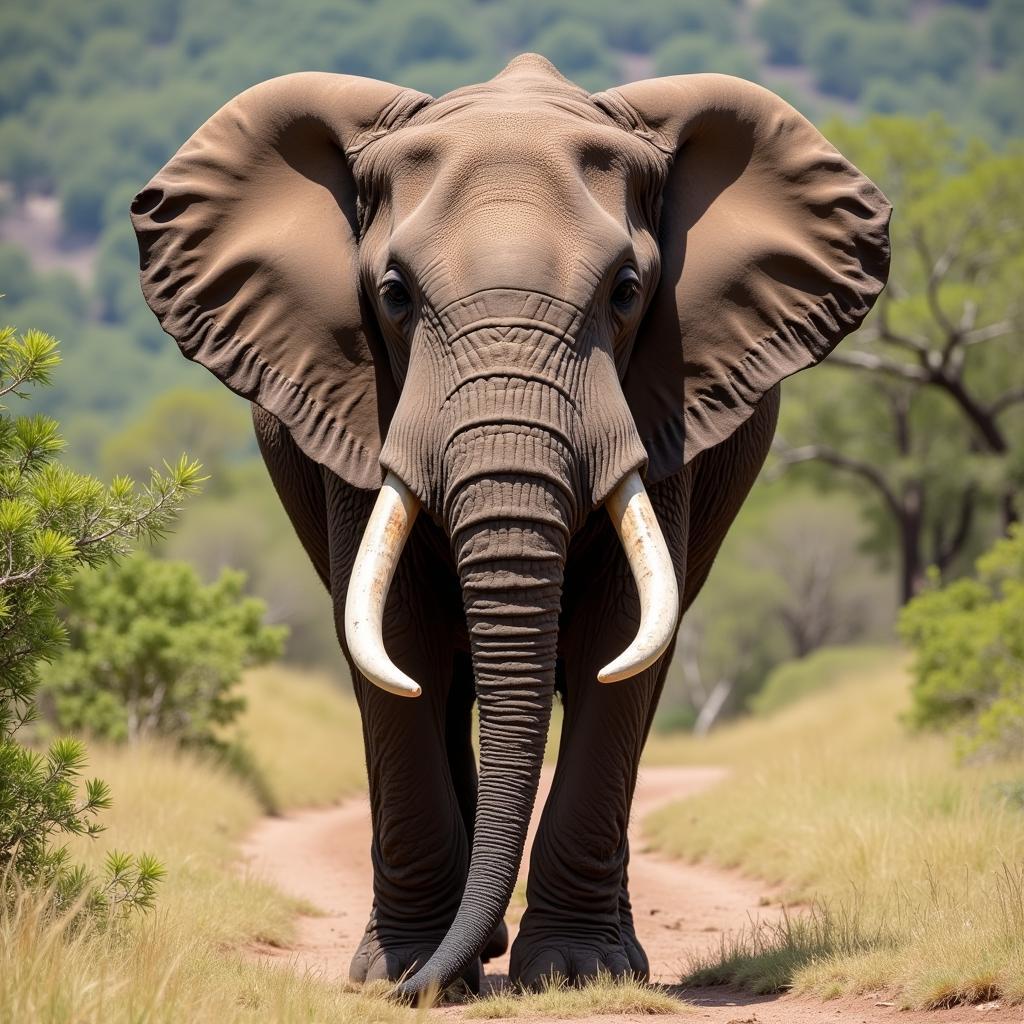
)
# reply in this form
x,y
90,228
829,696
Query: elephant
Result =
x,y
513,356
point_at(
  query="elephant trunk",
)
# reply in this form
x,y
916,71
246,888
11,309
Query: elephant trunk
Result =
x,y
509,538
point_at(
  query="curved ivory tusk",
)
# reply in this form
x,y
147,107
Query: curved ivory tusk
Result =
x,y
635,523
385,535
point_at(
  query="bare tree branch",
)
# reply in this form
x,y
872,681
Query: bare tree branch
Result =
x,y
858,360
883,332
946,551
1003,402
935,271
822,453
987,333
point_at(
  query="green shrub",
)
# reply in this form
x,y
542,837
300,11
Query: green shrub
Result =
x,y
687,55
968,640
817,671
53,522
154,651
578,52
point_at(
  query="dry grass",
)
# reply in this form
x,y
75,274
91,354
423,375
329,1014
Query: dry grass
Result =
x,y
187,961
157,972
562,1003
304,735
914,863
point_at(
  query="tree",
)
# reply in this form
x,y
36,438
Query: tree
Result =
x,y
210,424
154,652
53,522
929,416
684,55
788,580
968,640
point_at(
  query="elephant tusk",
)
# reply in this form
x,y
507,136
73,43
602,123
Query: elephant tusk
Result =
x,y
386,532
637,526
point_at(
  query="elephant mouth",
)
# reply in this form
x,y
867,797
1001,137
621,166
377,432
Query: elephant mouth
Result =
x,y
388,529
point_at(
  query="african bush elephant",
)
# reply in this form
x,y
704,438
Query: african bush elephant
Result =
x,y
511,308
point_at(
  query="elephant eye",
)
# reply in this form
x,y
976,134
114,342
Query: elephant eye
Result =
x,y
394,293
626,290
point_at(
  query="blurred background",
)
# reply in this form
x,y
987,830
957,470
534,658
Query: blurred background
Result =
x,y
902,453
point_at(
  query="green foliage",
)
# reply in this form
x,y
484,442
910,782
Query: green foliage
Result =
x,y
218,432
921,413
781,26
792,680
578,51
154,651
685,55
1006,31
968,640
788,580
39,802
54,522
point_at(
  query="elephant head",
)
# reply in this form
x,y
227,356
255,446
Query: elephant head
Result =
x,y
507,305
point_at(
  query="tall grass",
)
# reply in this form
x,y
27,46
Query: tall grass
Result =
x,y
304,737
189,959
918,859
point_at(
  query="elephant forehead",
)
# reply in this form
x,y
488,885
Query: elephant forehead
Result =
x,y
511,147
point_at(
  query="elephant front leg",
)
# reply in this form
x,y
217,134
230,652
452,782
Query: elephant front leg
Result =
x,y
420,848
578,922
579,919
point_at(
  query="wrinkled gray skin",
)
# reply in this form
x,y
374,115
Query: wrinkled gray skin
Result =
x,y
508,216
422,770
519,578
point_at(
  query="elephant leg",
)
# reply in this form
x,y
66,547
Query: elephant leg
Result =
x,y
419,850
640,966
638,961
462,763
578,921
573,925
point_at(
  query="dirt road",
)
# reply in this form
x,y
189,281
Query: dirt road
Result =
x,y
322,857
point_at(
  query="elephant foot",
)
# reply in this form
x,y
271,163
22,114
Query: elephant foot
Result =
x,y
396,958
542,958
640,966
636,953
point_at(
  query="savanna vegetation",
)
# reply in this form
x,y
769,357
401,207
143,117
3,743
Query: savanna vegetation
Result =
x,y
187,959
880,788
902,867
96,98
54,523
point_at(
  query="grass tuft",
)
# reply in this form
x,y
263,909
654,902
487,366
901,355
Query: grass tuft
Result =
x,y
766,956
562,1002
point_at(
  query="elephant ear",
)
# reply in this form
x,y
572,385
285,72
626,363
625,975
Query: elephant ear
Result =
x,y
248,248
773,246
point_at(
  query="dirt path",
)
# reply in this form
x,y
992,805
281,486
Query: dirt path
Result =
x,y
322,856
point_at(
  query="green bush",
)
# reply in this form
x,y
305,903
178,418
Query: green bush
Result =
x,y
54,522
687,55
817,671
968,640
154,651
578,52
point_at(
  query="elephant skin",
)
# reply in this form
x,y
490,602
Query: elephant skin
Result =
x,y
511,299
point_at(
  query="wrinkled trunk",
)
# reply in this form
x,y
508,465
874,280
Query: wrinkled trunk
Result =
x,y
509,536
492,442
